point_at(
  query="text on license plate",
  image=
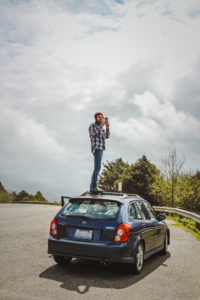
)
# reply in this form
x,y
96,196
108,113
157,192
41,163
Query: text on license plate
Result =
x,y
83,234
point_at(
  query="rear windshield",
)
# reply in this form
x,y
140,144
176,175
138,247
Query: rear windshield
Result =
x,y
91,209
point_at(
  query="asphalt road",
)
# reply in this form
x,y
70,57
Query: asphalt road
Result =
x,y
28,272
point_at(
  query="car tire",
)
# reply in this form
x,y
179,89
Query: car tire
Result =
x,y
138,259
164,250
62,260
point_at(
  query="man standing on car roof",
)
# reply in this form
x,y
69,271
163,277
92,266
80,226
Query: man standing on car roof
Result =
x,y
97,136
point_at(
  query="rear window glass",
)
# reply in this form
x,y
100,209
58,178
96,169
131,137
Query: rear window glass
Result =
x,y
91,209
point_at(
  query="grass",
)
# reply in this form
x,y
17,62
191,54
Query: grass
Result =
x,y
188,224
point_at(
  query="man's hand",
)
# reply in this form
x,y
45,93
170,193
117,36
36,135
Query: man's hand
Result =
x,y
103,122
107,124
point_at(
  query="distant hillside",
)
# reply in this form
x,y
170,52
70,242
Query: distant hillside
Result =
x,y
6,197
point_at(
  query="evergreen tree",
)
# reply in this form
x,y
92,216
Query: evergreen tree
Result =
x,y
2,189
136,178
21,195
28,198
4,195
139,177
39,197
111,172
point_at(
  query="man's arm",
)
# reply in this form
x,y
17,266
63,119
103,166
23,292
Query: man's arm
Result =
x,y
107,129
107,133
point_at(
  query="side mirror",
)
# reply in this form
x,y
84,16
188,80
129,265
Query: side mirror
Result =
x,y
65,200
161,217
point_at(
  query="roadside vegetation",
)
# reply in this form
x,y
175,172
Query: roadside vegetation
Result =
x,y
6,197
164,186
188,224
167,185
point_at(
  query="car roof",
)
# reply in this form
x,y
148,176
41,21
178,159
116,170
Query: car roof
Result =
x,y
113,196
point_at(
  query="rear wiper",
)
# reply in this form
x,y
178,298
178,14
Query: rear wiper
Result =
x,y
76,216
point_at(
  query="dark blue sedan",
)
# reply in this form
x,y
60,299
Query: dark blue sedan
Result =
x,y
109,227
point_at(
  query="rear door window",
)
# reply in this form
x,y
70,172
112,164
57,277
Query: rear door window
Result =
x,y
134,213
150,211
92,209
142,210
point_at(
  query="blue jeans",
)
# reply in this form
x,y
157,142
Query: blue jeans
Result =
x,y
98,154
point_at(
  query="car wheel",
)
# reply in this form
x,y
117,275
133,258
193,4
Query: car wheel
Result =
x,y
138,259
164,250
62,260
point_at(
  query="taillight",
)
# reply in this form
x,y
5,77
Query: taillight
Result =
x,y
53,228
122,233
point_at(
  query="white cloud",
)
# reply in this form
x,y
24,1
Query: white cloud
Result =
x,y
174,123
118,97
25,135
157,126
138,131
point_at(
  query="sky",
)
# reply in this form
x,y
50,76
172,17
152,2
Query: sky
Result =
x,y
137,61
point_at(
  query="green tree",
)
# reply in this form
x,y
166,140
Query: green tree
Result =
x,y
21,195
160,190
39,197
139,177
2,189
14,196
28,198
189,192
171,168
5,197
111,172
136,178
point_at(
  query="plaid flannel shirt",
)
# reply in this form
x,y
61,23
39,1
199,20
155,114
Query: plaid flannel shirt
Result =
x,y
98,136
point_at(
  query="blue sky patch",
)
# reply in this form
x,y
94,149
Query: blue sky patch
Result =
x,y
99,7
120,1
16,2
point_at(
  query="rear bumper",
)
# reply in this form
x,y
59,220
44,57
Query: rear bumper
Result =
x,y
111,252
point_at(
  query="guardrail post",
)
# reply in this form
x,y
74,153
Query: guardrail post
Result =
x,y
198,225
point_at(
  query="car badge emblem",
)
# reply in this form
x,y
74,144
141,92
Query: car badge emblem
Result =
x,y
84,222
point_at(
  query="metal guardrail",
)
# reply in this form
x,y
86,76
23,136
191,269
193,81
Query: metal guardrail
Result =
x,y
36,202
178,211
181,212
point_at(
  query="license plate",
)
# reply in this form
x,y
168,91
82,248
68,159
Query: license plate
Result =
x,y
83,234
